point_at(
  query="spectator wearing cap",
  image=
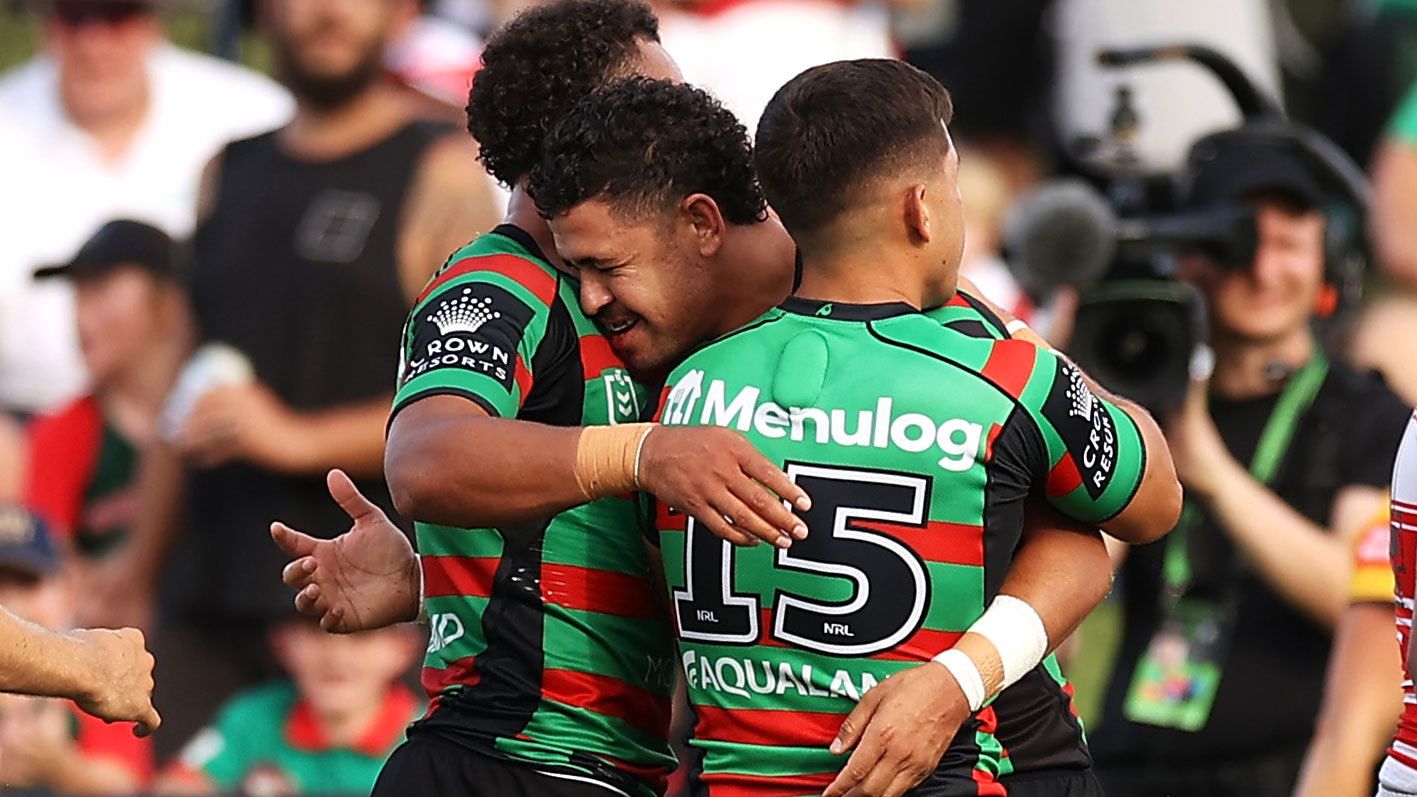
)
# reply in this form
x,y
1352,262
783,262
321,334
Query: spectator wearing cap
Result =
x,y
132,329
1285,454
47,743
109,121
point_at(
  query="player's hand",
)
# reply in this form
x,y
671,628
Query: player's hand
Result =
x,y
118,686
715,475
242,422
363,579
900,729
1203,461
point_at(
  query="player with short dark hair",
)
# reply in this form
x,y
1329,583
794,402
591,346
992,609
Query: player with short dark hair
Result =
x,y
650,192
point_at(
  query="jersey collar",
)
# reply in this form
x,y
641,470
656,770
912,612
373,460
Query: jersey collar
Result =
x,y
303,731
844,311
522,237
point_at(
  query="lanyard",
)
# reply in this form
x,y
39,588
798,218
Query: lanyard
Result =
x,y
1274,443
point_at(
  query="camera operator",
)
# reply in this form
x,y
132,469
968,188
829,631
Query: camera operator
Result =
x,y
1283,453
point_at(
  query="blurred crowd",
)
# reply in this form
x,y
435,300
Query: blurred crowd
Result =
x,y
204,270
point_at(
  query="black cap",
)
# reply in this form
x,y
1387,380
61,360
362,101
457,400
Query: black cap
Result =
x,y
25,544
119,243
1226,170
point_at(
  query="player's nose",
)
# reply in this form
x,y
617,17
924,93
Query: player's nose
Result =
x,y
594,295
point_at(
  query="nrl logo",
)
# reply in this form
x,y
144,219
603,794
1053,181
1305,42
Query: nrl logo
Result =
x,y
467,313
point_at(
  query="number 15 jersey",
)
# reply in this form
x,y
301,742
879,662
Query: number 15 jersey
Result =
x,y
918,445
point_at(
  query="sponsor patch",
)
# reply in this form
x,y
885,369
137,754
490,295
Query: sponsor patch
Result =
x,y
1086,427
472,327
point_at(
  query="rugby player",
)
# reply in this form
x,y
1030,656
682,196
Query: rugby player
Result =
x,y
650,234
550,667
1398,776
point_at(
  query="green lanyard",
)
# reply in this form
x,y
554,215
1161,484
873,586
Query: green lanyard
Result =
x,y
1274,442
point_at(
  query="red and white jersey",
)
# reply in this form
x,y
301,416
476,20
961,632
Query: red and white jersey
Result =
x,y
1404,568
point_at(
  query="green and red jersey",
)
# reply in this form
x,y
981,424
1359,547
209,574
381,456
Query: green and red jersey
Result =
x,y
82,477
919,445
268,740
549,643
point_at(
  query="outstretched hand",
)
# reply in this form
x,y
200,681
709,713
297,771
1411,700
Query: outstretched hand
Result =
x,y
363,579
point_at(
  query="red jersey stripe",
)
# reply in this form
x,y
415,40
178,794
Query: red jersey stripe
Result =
x,y
611,697
459,576
954,543
1064,477
767,727
665,520
733,784
522,271
603,591
985,785
461,672
597,356
1010,365
523,378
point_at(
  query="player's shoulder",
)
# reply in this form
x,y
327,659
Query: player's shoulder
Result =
x,y
969,316
506,257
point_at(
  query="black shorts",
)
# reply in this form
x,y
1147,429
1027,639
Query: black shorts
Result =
x,y
1072,784
428,766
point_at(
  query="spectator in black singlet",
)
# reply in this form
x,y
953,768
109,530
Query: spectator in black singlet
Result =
x,y
311,242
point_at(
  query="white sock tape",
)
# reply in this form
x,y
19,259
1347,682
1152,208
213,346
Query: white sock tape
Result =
x,y
966,674
1017,632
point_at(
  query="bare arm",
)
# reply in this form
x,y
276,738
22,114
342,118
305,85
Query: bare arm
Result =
x,y
1362,700
108,673
449,204
1304,562
523,471
1061,569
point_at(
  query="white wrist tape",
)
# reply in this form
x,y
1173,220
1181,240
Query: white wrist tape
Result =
x,y
966,674
1017,632
1014,326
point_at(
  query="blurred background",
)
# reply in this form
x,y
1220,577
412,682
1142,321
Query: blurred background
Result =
x,y
111,110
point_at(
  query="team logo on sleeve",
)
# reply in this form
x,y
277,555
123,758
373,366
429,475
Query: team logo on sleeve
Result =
x,y
475,327
1086,427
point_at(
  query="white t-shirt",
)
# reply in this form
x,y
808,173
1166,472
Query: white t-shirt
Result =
x,y
56,190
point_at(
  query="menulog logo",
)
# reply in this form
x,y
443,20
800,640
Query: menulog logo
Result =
x,y
957,439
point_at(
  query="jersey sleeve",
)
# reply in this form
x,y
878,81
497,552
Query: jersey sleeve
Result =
x,y
475,332
1371,580
1090,455
1403,125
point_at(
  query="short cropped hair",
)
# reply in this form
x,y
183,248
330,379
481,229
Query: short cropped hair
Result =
x,y
834,128
539,64
643,145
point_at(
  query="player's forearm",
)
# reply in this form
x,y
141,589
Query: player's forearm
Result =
x,y
1063,572
1153,511
1299,559
458,468
1394,209
348,437
37,661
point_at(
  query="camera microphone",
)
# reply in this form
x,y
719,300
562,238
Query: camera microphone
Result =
x,y
1063,233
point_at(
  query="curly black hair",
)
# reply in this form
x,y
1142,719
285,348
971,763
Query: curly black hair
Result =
x,y
643,145
537,66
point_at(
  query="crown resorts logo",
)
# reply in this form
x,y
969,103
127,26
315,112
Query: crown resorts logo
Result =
x,y
1081,397
466,313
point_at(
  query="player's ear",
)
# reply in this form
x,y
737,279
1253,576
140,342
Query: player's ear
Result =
x,y
917,214
704,218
